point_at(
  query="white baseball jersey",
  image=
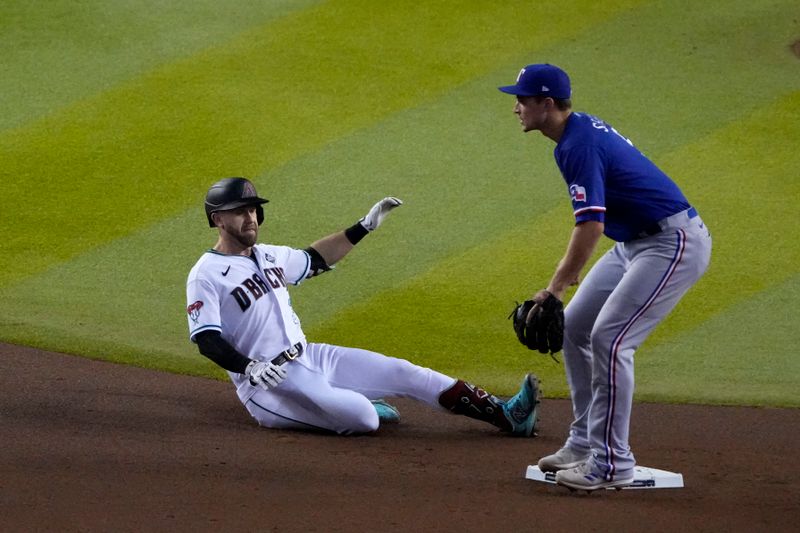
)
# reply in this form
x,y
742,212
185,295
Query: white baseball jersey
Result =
x,y
246,300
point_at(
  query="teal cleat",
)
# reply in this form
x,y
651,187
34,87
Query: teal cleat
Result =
x,y
522,410
387,414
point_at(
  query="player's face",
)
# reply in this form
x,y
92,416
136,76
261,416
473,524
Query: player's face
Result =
x,y
239,225
532,114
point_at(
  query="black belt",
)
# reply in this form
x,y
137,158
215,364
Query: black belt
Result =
x,y
655,228
288,355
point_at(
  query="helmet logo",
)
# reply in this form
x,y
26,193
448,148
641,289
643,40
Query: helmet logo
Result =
x,y
249,190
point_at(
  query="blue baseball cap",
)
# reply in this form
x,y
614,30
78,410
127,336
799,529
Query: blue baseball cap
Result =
x,y
541,79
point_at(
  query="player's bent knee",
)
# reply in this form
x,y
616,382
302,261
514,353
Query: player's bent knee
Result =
x,y
602,338
366,422
353,417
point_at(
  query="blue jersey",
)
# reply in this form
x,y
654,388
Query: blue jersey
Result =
x,y
610,181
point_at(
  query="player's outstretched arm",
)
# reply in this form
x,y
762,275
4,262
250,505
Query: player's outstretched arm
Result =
x,y
334,247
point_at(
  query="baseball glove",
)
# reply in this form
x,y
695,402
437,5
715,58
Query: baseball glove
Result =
x,y
540,325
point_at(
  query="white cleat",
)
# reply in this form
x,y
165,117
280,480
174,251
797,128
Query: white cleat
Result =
x,y
583,477
563,459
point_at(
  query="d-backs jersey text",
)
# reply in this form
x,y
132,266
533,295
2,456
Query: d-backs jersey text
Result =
x,y
246,299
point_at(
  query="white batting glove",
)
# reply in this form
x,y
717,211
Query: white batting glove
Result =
x,y
379,212
265,375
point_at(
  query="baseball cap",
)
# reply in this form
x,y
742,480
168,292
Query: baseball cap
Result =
x,y
541,79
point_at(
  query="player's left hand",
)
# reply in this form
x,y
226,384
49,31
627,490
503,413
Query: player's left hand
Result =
x,y
265,375
378,212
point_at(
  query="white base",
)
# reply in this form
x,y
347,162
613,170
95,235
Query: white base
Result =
x,y
644,477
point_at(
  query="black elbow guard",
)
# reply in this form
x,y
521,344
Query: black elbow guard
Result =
x,y
318,264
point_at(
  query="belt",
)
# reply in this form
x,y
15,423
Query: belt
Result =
x,y
288,355
673,221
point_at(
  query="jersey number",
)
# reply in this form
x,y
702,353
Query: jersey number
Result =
x,y
600,125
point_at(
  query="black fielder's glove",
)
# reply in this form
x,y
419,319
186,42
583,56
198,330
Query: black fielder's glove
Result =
x,y
520,318
540,325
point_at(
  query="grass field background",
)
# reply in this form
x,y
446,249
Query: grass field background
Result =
x,y
117,116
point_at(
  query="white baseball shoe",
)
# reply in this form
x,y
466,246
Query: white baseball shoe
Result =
x,y
563,459
585,477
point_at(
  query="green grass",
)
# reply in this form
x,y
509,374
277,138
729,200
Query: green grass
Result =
x,y
62,51
245,106
329,106
741,356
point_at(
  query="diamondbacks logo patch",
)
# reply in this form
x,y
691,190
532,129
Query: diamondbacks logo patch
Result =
x,y
578,193
194,310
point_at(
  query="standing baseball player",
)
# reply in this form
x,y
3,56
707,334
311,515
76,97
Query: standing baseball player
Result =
x,y
241,317
662,248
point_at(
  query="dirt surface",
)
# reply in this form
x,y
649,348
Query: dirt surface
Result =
x,y
93,446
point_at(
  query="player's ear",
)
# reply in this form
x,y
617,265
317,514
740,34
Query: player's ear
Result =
x,y
217,219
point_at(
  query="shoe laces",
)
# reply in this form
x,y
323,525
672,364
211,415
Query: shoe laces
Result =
x,y
517,408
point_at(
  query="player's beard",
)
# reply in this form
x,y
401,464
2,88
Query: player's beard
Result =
x,y
245,238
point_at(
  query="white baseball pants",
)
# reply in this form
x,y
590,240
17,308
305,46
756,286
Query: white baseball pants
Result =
x,y
330,387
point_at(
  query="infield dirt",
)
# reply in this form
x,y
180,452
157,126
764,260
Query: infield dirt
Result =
x,y
93,446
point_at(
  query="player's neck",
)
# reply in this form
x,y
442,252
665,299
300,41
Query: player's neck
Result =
x,y
232,247
555,127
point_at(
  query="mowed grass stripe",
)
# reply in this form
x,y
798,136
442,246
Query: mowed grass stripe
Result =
x,y
744,356
670,72
742,179
60,51
266,97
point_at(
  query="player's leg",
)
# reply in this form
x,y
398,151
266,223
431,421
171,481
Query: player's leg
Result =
x,y
518,415
661,270
376,375
305,400
579,318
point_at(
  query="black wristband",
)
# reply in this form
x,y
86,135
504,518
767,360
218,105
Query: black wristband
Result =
x,y
355,233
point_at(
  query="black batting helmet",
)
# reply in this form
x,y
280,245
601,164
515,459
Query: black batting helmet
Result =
x,y
230,193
